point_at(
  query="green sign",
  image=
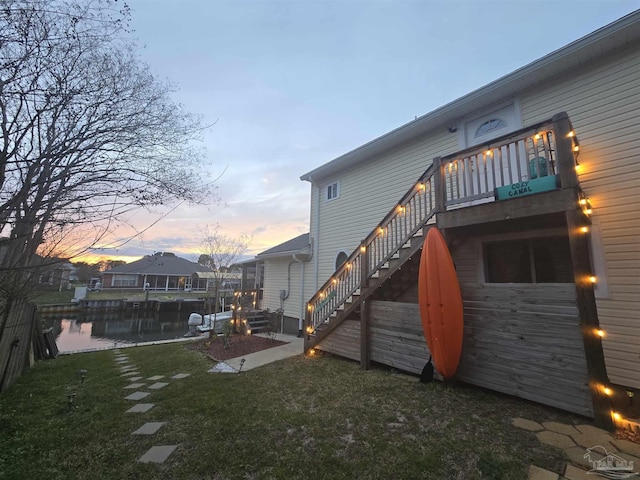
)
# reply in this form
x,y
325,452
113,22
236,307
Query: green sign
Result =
x,y
529,187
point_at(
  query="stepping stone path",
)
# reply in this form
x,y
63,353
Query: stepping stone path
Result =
x,y
159,453
582,446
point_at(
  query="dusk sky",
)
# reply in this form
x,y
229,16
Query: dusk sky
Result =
x,y
293,84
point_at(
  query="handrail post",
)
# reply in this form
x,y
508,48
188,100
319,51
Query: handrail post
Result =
x,y
307,323
438,185
564,150
365,358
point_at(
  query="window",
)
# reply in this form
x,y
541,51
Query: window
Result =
x,y
532,260
125,280
333,191
490,126
340,259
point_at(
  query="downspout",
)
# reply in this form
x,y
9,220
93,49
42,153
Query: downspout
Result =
x,y
315,245
301,261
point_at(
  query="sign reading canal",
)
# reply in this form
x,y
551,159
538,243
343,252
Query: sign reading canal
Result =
x,y
529,187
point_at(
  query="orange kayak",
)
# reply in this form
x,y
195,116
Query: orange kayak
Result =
x,y
440,302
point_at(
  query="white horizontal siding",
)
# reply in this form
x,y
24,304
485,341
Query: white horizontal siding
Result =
x,y
276,272
603,104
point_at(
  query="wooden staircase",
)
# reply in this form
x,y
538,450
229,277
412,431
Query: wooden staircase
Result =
x,y
394,241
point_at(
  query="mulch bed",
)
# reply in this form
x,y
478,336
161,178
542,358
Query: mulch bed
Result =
x,y
240,345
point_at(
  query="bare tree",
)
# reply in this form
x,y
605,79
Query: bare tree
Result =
x,y
220,252
87,133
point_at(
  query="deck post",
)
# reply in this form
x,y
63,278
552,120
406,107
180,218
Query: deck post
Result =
x,y
438,185
566,161
305,332
365,354
596,368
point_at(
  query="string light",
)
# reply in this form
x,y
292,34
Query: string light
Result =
x,y
488,153
363,249
537,136
576,148
584,229
592,279
616,416
310,307
571,134
607,391
600,333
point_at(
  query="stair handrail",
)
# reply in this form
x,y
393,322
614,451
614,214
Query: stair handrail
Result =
x,y
415,208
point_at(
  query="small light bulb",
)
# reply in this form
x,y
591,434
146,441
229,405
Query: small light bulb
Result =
x,y
571,134
576,148
607,391
363,249
616,416
488,153
588,211
600,333
537,136
583,201
592,279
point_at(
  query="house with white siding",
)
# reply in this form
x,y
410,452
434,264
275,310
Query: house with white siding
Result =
x,y
534,180
284,274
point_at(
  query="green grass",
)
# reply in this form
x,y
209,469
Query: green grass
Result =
x,y
53,297
306,417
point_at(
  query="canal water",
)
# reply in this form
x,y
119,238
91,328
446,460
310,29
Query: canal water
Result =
x,y
76,332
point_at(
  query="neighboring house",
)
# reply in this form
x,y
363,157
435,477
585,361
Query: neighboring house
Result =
x,y
160,271
284,274
57,273
535,324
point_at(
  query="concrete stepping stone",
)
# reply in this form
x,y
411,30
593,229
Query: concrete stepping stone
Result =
x,y
222,368
560,428
129,374
149,428
156,377
527,424
157,386
135,385
537,473
122,361
127,368
555,439
141,408
181,375
134,379
157,454
574,473
137,396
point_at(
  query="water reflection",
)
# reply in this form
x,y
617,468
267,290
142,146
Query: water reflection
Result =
x,y
77,332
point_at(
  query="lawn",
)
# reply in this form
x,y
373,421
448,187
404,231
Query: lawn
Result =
x,y
306,417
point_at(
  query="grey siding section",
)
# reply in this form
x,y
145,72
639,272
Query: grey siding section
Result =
x,y
603,104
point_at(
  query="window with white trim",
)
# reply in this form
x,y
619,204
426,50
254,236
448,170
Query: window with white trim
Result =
x,y
332,191
125,280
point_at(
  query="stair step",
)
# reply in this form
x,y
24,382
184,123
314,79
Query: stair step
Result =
x,y
357,292
407,245
418,233
375,274
385,265
395,255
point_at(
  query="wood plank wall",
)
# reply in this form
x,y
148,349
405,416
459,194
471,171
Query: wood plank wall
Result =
x,y
525,340
521,340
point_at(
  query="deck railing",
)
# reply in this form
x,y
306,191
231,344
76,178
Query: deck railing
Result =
x,y
471,176
458,180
